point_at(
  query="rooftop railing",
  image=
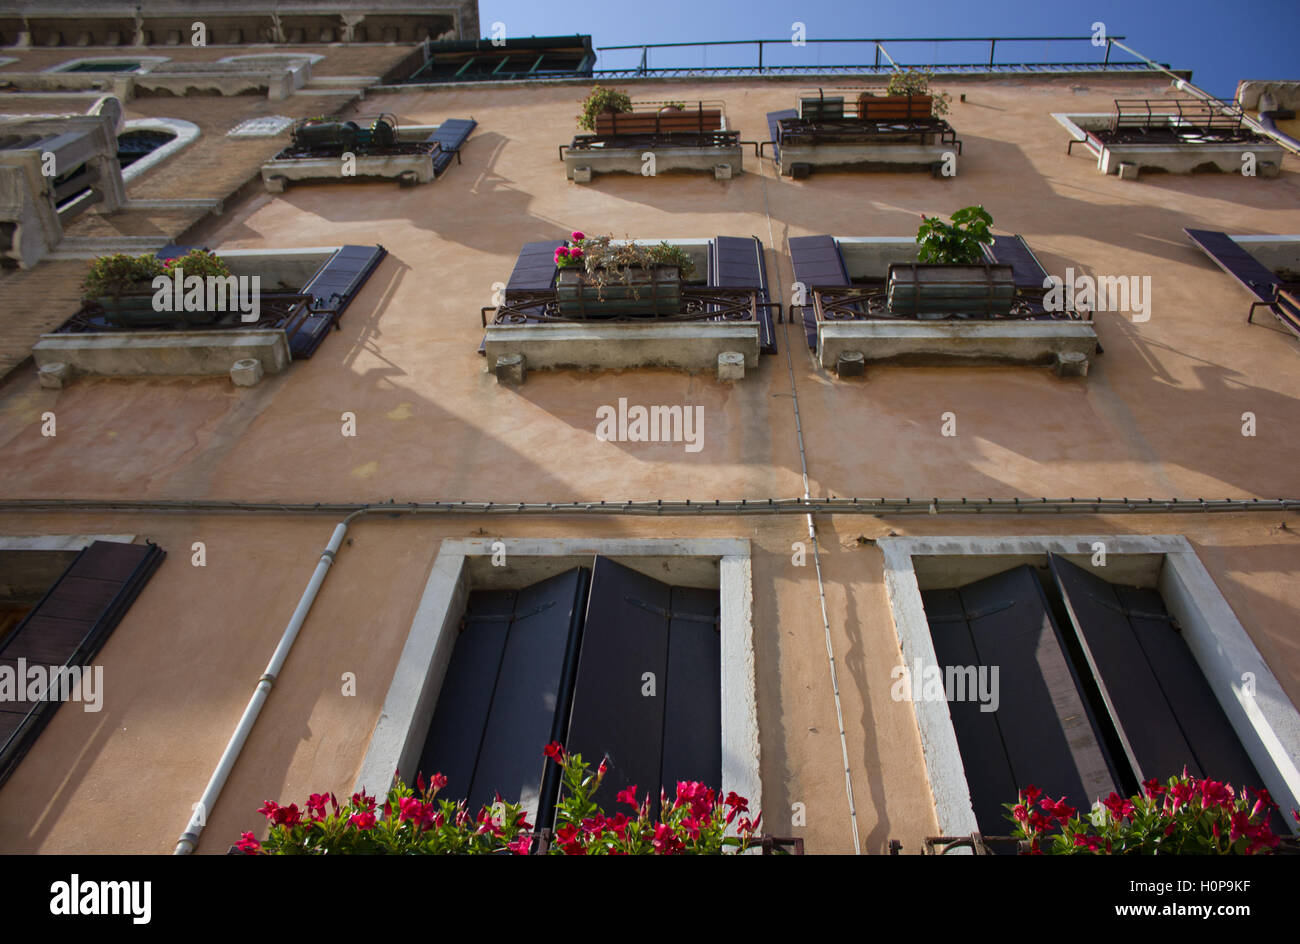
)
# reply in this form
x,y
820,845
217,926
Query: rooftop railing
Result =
x,y
866,56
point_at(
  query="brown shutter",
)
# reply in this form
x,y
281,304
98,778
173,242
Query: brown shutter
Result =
x,y
67,628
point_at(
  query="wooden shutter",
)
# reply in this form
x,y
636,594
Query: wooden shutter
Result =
x,y
1166,714
451,134
333,287
68,627
1045,732
817,262
497,707
637,625
737,262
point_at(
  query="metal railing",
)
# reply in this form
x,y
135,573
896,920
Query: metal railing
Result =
x,y
760,58
698,303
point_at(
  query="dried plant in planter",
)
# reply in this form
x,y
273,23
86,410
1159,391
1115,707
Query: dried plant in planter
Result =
x,y
118,274
604,262
917,82
602,100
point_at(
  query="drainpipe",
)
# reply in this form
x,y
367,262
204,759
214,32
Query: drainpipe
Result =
x,y
190,838
1268,111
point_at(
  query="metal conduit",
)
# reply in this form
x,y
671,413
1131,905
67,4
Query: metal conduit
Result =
x,y
681,508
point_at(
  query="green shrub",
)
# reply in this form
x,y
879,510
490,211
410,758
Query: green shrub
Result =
x,y
956,243
917,82
119,273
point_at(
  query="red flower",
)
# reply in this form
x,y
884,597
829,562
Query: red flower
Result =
x,y
269,809
618,824
1031,792
523,842
555,751
577,237
1215,794
1153,788
437,782
628,796
362,821
316,806
1056,809
248,844
603,768
1119,806
287,816
1020,813
1091,842
665,841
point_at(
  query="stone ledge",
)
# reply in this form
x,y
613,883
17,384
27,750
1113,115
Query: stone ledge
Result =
x,y
693,345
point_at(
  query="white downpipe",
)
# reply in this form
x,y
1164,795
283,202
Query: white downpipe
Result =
x,y
190,838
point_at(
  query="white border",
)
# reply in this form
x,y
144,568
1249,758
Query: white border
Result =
x,y
408,707
1267,722
147,64
187,132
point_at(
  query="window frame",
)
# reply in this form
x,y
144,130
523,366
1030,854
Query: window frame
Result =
x,y
399,734
1267,724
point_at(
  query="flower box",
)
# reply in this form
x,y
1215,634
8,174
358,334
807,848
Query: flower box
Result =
x,y
940,289
633,291
136,309
894,107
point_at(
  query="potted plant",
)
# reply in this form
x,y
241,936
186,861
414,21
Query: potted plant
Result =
x,y
125,287
121,284
911,87
602,101
952,274
599,278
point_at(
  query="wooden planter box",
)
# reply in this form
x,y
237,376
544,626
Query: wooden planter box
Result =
x,y
894,107
135,309
937,289
645,293
700,120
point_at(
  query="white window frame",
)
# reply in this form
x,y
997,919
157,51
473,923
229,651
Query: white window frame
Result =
x,y
147,63
1267,723
399,735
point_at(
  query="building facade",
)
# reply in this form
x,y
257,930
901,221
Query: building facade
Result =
x,y
810,516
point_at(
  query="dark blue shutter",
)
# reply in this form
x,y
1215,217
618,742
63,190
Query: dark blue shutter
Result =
x,y
1257,278
989,774
693,702
451,134
68,627
1164,710
637,625
456,732
737,262
626,636
522,718
774,128
534,271
1048,735
333,287
817,262
1026,270
504,684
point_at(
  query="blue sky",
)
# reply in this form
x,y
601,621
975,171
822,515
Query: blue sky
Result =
x,y
1219,41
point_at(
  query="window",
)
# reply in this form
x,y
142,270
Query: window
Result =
x,y
1108,674
136,64
639,650
1098,692
604,659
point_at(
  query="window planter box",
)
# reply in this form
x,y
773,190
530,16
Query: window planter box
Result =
x,y
928,289
135,309
894,107
644,293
